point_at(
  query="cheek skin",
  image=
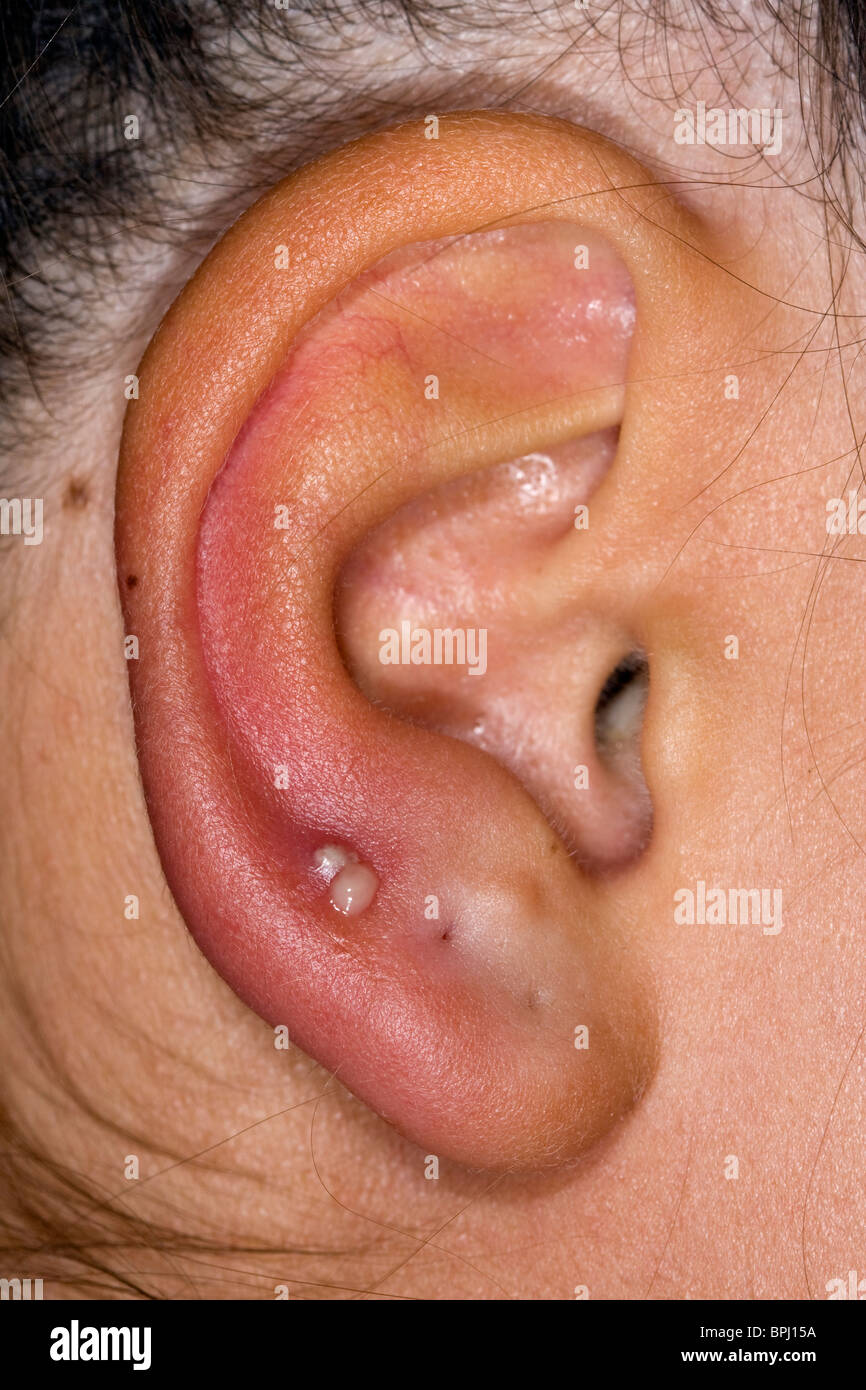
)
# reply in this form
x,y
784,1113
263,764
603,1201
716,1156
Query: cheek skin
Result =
x,y
440,1021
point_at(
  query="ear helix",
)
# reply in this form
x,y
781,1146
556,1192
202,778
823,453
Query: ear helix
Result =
x,y
392,895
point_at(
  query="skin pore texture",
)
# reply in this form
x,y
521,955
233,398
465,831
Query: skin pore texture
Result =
x,y
274,745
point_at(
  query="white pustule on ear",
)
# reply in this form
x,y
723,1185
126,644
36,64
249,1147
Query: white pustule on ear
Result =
x,y
352,885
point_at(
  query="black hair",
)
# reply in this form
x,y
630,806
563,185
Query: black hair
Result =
x,y
198,75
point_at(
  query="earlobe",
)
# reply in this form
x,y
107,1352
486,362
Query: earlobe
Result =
x,y
394,896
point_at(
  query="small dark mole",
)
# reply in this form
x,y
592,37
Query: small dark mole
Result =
x,y
131,581
446,935
76,494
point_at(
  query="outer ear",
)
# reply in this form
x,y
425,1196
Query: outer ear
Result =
x,y
394,896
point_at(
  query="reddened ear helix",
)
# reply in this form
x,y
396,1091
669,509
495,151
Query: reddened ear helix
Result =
x,y
401,313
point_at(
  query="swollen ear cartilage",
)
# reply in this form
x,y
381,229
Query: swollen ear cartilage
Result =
x,y
397,349
353,885
441,360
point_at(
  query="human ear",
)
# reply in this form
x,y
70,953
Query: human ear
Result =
x,y
393,895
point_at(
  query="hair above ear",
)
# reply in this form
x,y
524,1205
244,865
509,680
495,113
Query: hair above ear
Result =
x,y
403,313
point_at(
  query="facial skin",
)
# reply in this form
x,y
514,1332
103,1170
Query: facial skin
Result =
x,y
707,522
